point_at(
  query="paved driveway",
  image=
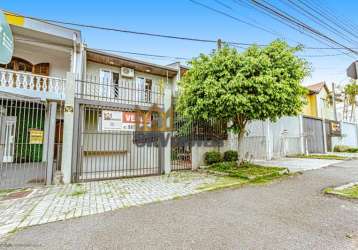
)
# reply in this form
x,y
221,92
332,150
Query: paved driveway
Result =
x,y
289,214
298,164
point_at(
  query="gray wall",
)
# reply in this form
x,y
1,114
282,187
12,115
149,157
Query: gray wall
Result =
x,y
349,135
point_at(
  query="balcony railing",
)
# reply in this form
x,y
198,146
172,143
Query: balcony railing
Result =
x,y
32,85
123,92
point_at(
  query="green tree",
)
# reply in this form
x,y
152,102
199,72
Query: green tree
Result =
x,y
257,84
351,92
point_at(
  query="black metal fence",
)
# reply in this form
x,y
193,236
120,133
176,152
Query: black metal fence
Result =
x,y
188,133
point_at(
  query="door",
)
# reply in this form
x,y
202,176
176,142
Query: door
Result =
x,y
8,129
140,89
313,131
105,83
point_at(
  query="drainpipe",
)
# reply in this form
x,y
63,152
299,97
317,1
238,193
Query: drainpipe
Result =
x,y
324,128
74,58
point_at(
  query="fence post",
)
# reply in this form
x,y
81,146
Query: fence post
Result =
x,y
324,135
166,164
268,141
357,135
195,157
68,116
301,134
50,142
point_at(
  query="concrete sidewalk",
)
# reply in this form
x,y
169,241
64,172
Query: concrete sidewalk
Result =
x,y
298,164
289,214
54,203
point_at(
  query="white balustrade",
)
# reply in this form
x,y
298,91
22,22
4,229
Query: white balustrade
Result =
x,y
31,84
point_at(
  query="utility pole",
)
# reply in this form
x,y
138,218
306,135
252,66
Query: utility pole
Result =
x,y
219,44
334,101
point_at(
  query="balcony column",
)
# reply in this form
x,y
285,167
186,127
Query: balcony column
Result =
x,y
68,119
50,145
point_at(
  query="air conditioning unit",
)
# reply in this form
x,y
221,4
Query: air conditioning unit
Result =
x,y
127,72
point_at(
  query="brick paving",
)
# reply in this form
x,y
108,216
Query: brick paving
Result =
x,y
55,203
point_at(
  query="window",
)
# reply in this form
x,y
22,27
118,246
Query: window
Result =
x,y
19,64
144,89
105,83
115,81
109,84
148,90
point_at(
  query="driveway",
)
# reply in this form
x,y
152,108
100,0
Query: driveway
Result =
x,y
298,164
288,214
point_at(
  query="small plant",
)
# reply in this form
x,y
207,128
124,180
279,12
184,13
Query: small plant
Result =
x,y
212,157
231,155
343,148
352,150
340,148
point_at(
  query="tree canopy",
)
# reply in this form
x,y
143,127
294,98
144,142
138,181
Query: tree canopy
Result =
x,y
258,84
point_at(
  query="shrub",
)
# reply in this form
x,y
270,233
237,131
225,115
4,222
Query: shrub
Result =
x,y
352,150
340,148
343,148
224,166
231,155
212,157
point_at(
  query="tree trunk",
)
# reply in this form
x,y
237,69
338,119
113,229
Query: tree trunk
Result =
x,y
240,138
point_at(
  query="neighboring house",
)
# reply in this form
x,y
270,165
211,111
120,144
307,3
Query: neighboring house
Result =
x,y
319,102
112,92
32,90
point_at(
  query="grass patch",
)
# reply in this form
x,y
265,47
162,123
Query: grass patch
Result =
x,y
222,182
4,192
322,157
232,175
349,192
247,171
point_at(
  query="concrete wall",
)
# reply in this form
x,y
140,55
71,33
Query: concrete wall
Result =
x,y
285,136
349,135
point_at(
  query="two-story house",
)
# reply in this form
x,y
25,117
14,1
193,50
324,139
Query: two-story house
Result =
x,y
319,102
112,92
31,99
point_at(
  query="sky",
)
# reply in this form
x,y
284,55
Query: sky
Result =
x,y
185,18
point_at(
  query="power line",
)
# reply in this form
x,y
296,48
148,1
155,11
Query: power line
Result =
x,y
142,54
288,18
309,12
166,56
233,17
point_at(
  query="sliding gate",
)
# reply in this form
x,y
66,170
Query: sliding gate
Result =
x,y
109,147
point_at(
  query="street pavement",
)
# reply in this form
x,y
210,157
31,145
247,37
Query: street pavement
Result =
x,y
289,214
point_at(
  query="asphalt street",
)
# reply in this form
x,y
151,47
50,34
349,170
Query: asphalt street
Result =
x,y
287,214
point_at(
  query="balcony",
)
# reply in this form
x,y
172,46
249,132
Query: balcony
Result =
x,y
28,84
128,92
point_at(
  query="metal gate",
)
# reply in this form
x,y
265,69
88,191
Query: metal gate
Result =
x,y
22,150
314,137
181,143
109,147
